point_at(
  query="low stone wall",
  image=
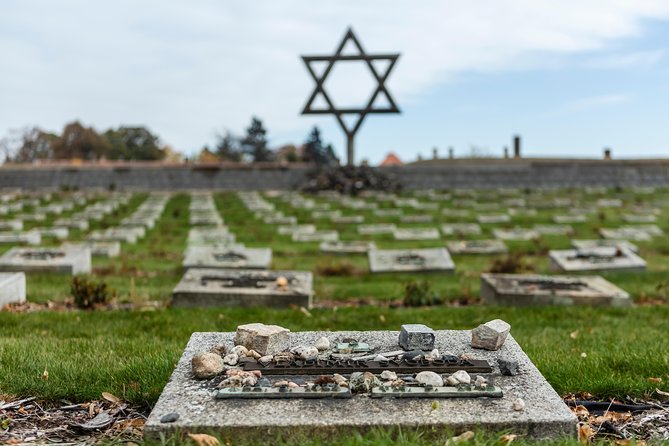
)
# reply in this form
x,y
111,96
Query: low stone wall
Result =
x,y
450,174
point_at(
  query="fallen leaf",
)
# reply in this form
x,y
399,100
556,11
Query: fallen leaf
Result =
x,y
573,334
111,398
305,312
508,438
204,440
101,420
585,433
655,380
615,417
581,411
462,438
382,318
45,374
660,392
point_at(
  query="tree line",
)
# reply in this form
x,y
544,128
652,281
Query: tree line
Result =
x,y
77,141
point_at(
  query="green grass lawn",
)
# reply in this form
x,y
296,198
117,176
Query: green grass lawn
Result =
x,y
131,353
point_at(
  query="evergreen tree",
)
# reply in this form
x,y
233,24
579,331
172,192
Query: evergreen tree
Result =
x,y
254,144
316,152
227,148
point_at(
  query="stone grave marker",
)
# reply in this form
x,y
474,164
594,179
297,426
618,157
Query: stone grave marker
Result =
x,y
316,236
242,258
455,213
570,218
203,287
536,290
515,234
388,212
596,259
113,235
554,229
477,247
413,260
376,229
639,218
72,223
280,220
416,234
11,225
585,245
291,229
70,260
493,218
347,247
98,249
31,237
348,219
418,218
275,396
12,288
57,232
461,229
210,236
637,233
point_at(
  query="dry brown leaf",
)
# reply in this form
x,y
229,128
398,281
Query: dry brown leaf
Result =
x,y
573,334
585,433
581,411
615,417
655,380
508,438
111,398
305,312
462,438
660,392
45,374
204,440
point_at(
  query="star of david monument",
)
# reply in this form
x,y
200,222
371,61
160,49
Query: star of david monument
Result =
x,y
379,95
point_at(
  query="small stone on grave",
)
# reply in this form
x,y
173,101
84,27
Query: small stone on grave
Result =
x,y
491,335
416,337
264,339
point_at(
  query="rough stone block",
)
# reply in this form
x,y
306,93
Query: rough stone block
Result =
x,y
264,339
416,337
491,335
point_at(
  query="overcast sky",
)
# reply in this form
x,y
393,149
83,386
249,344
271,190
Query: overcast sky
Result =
x,y
570,76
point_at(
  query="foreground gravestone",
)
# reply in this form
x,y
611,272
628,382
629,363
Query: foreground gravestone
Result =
x,y
12,288
284,406
347,247
477,247
596,259
414,260
205,287
536,290
69,260
228,257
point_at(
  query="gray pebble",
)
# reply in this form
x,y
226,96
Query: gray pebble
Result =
x,y
508,367
169,418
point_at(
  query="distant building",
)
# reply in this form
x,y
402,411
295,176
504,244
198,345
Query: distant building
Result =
x,y
391,160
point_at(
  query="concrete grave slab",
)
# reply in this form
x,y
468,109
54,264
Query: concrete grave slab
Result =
x,y
388,212
461,229
598,243
244,258
210,236
316,236
11,225
347,247
414,260
57,232
566,219
113,235
348,219
477,247
419,218
70,223
12,288
536,290
291,229
416,234
99,249
515,234
376,229
31,237
255,421
70,260
596,259
554,229
639,218
493,218
207,287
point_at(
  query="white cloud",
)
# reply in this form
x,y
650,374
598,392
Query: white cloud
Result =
x,y
187,69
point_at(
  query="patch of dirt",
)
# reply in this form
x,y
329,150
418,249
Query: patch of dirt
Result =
x,y
32,421
68,305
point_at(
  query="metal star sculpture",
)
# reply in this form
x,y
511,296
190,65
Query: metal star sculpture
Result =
x,y
379,92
